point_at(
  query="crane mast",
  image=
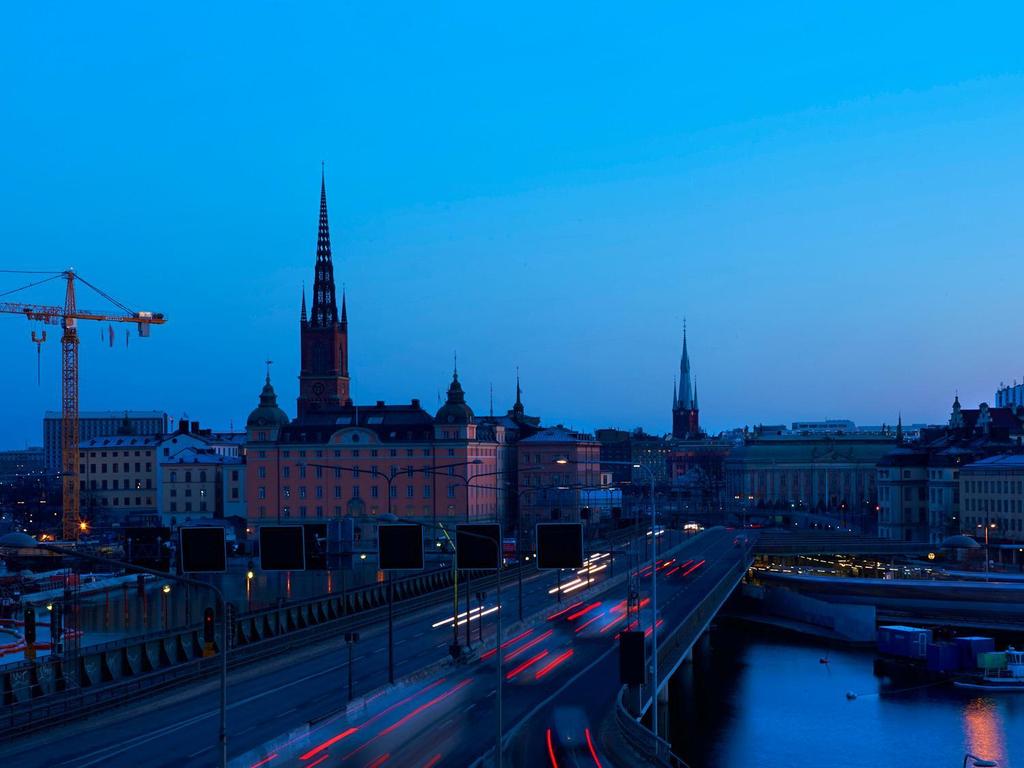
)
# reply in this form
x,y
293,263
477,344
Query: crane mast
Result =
x,y
70,492
68,316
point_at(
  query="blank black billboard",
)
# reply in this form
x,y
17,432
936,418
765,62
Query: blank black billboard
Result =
x,y
559,545
400,547
478,546
149,547
632,663
282,548
203,550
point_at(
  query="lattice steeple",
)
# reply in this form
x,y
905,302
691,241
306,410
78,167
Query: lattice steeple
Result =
x,y
325,304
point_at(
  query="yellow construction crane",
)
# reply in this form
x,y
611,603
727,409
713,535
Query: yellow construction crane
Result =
x,y
67,317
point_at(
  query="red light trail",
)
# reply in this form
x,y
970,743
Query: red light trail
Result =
x,y
412,714
565,610
588,609
504,645
552,664
590,744
694,568
588,622
551,751
328,743
526,664
526,646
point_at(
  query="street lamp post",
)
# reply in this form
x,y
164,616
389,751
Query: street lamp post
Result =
x,y
654,579
467,482
987,526
497,636
23,540
390,479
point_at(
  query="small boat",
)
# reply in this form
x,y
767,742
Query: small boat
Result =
x,y
1008,678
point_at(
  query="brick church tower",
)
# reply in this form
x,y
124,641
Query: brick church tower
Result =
x,y
685,411
323,375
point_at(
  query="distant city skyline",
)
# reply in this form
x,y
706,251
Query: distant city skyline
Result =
x,y
831,205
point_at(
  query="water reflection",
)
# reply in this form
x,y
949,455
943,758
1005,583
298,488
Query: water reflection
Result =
x,y
984,732
753,699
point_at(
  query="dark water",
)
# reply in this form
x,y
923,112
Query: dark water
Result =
x,y
751,699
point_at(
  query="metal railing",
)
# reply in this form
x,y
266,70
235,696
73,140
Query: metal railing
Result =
x,y
653,749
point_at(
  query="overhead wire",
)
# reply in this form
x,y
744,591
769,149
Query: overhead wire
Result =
x,y
31,285
121,305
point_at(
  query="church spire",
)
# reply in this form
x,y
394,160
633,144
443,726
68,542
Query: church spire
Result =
x,y
325,305
323,367
518,409
344,310
675,392
685,398
694,406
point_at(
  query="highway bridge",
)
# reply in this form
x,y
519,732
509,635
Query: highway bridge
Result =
x,y
293,710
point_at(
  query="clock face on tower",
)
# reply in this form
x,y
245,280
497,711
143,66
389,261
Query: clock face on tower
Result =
x,y
318,388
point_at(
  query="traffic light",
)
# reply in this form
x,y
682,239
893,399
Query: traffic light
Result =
x,y
208,626
30,626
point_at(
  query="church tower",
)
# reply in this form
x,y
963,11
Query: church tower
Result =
x,y
685,412
323,374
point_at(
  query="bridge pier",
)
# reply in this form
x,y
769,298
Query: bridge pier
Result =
x,y
662,726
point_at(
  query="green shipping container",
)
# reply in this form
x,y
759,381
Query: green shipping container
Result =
x,y
992,660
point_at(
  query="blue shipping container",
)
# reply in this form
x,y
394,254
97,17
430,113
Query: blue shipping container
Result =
x,y
905,642
943,657
970,647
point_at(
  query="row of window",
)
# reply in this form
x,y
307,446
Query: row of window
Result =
x,y
885,493
940,495
115,501
114,454
995,486
318,472
201,475
410,491
1006,506
188,506
188,492
114,467
1004,524
354,453
117,485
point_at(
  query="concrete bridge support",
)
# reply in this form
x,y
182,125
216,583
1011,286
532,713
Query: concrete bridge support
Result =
x,y
663,707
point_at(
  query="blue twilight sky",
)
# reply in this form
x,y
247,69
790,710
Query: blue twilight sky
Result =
x,y
830,193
